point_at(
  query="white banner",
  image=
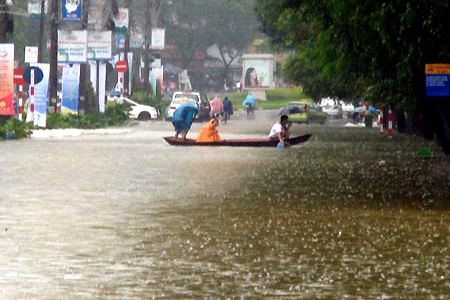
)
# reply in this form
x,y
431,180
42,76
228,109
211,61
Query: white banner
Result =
x,y
158,38
72,46
34,8
99,45
102,82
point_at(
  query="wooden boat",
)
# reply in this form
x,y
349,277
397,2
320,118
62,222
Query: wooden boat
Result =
x,y
237,142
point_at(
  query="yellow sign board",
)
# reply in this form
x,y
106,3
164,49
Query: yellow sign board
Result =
x,y
437,69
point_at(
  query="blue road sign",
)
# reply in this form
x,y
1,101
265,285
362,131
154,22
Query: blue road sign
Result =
x,y
38,75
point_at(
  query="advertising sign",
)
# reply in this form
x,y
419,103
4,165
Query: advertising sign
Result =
x,y
99,45
6,79
158,38
40,97
72,46
31,54
71,10
121,20
70,85
437,80
258,71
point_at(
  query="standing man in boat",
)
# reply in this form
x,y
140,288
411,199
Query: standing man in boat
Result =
x,y
280,130
182,119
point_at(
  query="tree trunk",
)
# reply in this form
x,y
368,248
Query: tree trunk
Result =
x,y
53,80
442,121
3,21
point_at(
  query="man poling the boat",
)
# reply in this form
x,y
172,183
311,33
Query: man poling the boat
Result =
x,y
280,130
182,119
209,132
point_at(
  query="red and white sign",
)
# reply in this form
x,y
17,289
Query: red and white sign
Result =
x,y
121,66
18,76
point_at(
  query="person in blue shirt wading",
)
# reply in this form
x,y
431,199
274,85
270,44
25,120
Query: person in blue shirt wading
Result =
x,y
182,119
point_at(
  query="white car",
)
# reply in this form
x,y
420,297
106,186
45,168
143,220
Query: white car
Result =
x,y
334,111
349,109
198,99
332,107
138,111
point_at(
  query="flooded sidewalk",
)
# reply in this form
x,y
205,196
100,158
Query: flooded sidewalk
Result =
x,y
126,216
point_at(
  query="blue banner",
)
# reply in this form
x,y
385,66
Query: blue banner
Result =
x,y
70,88
41,96
71,10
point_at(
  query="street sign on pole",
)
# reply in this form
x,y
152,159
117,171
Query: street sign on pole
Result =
x,y
18,76
121,66
38,75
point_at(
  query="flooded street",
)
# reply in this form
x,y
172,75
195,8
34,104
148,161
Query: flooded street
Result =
x,y
126,216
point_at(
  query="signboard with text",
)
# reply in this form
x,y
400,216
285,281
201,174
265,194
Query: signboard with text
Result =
x,y
437,82
72,46
6,79
99,45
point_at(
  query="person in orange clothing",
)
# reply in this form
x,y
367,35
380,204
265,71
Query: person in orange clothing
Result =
x,y
209,132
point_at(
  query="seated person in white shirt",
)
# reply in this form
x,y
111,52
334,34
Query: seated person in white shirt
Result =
x,y
280,130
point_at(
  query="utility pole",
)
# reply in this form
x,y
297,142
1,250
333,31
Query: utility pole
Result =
x,y
54,19
82,103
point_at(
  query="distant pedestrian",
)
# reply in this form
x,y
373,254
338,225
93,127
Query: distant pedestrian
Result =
x,y
227,109
182,119
216,106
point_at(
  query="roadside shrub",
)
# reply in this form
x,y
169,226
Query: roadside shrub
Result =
x,y
19,129
117,113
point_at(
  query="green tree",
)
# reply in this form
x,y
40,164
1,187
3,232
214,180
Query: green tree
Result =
x,y
369,49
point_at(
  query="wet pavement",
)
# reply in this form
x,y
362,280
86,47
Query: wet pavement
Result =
x,y
120,214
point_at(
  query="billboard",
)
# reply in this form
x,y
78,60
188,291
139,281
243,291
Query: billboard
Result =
x,y
31,54
72,46
6,79
258,71
99,45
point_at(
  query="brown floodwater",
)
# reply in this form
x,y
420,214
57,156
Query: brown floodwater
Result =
x,y
126,216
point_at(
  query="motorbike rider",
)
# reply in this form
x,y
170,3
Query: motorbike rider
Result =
x,y
249,103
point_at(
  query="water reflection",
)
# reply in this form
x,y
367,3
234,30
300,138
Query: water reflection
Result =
x,y
128,217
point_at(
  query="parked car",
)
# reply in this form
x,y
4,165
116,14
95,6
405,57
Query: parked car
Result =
x,y
350,108
138,111
334,111
306,111
199,99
